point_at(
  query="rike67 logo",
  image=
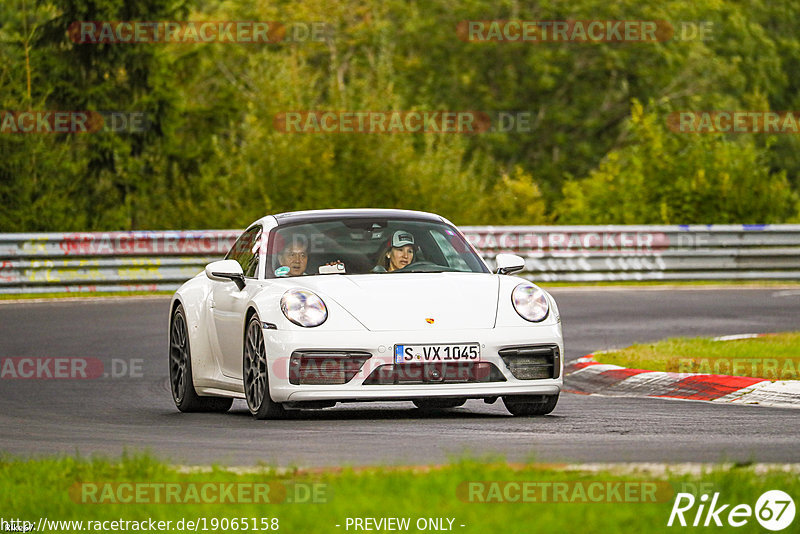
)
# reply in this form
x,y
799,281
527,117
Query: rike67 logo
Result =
x,y
774,510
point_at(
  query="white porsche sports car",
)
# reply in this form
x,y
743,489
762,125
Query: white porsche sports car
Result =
x,y
317,307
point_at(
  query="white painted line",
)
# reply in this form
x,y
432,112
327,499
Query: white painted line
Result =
x,y
736,337
787,293
653,468
684,468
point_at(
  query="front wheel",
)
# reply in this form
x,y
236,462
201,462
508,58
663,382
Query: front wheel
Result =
x,y
521,405
180,372
255,376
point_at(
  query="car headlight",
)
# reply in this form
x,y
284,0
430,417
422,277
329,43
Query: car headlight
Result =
x,y
303,308
530,302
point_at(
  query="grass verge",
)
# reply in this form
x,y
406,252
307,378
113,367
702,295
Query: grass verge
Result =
x,y
323,500
772,357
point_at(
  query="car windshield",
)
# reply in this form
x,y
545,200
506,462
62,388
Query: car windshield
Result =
x,y
368,246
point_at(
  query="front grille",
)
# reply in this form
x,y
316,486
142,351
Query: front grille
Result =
x,y
531,362
435,373
325,367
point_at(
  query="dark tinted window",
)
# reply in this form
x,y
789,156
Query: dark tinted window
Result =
x,y
245,251
361,245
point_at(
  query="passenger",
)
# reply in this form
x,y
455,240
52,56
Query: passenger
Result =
x,y
397,253
294,258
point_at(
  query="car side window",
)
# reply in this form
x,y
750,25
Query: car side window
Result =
x,y
245,251
251,258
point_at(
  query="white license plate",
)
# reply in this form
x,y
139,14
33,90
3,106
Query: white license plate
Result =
x,y
455,352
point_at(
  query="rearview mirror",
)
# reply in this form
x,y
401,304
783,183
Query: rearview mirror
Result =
x,y
225,270
508,263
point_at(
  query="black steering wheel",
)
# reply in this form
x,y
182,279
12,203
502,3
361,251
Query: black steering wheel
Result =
x,y
423,267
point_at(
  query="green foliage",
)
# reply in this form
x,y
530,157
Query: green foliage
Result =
x,y
516,199
79,181
212,157
662,177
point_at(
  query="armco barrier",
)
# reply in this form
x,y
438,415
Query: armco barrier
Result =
x,y
150,261
681,252
107,261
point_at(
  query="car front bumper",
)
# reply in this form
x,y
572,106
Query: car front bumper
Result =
x,y
280,344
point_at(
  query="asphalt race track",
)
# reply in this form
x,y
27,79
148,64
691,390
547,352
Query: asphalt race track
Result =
x,y
109,415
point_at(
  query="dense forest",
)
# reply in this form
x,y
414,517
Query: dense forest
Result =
x,y
596,146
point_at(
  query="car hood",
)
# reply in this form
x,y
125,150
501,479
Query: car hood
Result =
x,y
407,301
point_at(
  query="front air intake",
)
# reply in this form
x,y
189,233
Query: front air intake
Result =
x,y
325,367
435,373
532,362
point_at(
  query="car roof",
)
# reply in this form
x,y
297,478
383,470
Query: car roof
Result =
x,y
294,217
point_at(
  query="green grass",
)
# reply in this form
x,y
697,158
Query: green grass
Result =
x,y
32,489
773,357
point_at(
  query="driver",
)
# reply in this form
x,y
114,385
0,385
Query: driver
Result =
x,y
400,254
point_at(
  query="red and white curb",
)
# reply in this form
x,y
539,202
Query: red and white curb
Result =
x,y
590,377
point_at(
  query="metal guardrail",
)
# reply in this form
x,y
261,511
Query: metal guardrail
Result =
x,y
615,252
154,261
107,261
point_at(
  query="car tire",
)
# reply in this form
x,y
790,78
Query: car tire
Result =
x,y
255,375
180,371
438,404
521,405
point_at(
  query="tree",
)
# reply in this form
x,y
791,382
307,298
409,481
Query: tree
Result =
x,y
661,177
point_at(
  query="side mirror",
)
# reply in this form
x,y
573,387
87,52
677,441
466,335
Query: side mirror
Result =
x,y
508,263
225,270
